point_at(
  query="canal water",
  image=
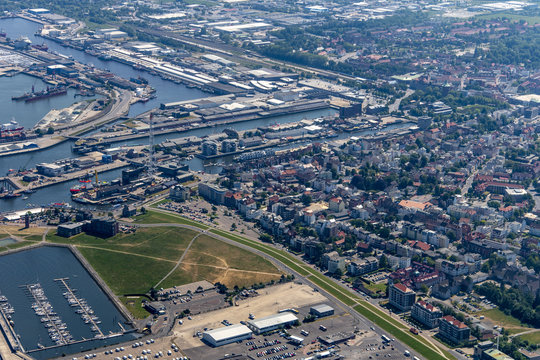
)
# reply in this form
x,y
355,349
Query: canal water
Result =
x,y
167,91
43,265
28,114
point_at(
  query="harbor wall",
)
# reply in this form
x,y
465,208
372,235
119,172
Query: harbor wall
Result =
x,y
86,265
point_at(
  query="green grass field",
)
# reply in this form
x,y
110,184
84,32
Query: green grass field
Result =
x,y
531,20
376,287
134,305
208,250
160,242
154,217
532,338
133,263
501,319
126,274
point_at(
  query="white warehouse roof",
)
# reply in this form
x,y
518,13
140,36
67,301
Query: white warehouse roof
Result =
x,y
322,308
273,320
228,332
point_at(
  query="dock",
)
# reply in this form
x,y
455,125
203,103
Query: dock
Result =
x,y
51,320
86,312
19,187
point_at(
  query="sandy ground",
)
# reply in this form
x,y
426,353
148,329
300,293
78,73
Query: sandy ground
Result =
x,y
269,301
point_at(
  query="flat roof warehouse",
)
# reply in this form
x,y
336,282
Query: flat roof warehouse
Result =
x,y
227,335
272,322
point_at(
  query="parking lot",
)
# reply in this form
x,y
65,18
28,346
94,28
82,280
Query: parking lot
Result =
x,y
146,348
196,303
202,211
353,340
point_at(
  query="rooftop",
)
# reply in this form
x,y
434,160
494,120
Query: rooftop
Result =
x,y
452,320
403,288
272,320
228,332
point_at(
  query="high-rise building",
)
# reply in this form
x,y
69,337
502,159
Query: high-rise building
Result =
x,y
401,297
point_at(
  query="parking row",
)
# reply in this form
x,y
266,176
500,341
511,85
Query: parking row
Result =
x,y
272,350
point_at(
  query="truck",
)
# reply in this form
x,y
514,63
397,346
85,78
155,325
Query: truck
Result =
x,y
385,338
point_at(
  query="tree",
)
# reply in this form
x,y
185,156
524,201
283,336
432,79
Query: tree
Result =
x,y
265,238
153,293
383,262
50,130
306,199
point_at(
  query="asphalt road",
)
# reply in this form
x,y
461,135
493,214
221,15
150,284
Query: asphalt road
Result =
x,y
360,321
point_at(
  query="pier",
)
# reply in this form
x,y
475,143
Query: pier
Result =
x,y
42,307
18,187
86,312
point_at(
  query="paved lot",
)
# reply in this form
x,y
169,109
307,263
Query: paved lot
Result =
x,y
269,301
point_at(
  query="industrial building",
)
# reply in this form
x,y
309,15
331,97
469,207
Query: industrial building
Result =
x,y
272,322
227,335
321,310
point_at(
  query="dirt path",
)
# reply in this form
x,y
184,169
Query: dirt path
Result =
x,y
123,252
179,260
231,269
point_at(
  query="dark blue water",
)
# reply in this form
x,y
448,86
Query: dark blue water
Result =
x,y
167,91
28,114
43,265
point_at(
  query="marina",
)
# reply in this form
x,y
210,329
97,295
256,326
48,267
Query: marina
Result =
x,y
56,328
64,311
81,306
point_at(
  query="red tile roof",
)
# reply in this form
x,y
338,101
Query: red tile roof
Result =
x,y
427,306
455,322
402,288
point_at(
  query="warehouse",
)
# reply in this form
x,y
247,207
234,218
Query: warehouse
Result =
x,y
272,322
321,310
227,335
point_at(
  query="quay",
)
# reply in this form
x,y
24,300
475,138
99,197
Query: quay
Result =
x,y
188,125
20,187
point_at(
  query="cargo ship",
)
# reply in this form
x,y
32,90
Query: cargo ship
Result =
x,y
43,94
